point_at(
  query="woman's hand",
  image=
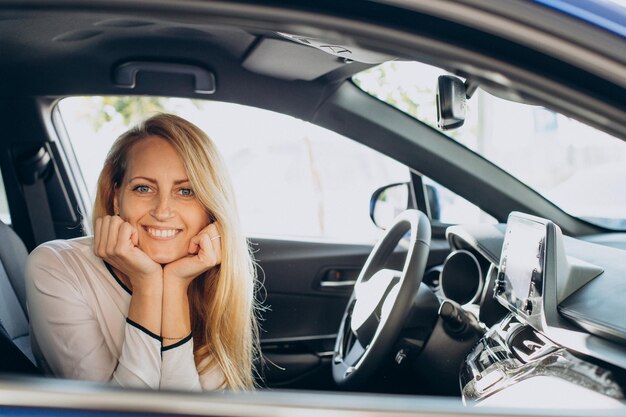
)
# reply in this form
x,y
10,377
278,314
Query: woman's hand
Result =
x,y
205,252
115,241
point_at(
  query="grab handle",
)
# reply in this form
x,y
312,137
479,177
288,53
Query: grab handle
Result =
x,y
126,74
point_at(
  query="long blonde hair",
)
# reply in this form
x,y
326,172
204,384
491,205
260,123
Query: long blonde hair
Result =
x,y
222,302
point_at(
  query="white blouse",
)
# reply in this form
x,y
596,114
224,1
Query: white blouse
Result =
x,y
79,328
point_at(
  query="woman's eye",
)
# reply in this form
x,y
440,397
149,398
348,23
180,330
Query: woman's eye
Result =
x,y
186,192
142,189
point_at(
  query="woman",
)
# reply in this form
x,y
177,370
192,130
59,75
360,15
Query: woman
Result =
x,y
162,296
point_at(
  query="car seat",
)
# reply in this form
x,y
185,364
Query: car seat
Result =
x,y
16,355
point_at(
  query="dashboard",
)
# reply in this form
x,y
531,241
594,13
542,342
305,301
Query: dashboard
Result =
x,y
552,306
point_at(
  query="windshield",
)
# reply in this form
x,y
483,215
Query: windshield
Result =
x,y
578,168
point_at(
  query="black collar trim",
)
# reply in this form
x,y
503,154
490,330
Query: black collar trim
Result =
x,y
119,281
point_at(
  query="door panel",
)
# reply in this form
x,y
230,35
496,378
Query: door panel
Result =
x,y
303,311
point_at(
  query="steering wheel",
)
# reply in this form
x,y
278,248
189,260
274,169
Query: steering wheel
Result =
x,y
380,301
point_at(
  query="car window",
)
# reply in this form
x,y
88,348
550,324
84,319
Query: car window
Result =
x,y
448,207
573,165
292,178
5,215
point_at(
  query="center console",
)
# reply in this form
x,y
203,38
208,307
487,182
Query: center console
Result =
x,y
533,277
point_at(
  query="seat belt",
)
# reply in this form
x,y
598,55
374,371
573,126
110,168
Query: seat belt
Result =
x,y
33,170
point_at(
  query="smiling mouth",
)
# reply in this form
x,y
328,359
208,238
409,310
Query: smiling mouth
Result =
x,y
161,233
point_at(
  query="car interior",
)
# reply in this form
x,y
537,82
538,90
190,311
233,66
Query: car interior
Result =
x,y
456,325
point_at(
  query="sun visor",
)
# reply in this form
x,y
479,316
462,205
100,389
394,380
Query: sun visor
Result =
x,y
290,61
305,58
345,52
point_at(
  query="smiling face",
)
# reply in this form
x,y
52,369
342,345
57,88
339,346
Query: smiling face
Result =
x,y
156,198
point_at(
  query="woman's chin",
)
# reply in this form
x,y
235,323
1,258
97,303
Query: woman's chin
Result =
x,y
164,258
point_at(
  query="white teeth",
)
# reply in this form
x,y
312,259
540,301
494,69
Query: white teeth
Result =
x,y
161,233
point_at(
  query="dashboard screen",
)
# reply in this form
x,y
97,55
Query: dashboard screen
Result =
x,y
521,265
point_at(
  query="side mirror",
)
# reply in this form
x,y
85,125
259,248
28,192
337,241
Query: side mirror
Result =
x,y
390,200
451,102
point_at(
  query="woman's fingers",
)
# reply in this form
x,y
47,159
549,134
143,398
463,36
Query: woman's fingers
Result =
x,y
215,239
97,234
134,237
113,237
207,245
104,236
209,256
205,252
194,245
116,242
124,236
113,246
210,244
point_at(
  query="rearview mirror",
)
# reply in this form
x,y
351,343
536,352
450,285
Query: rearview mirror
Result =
x,y
451,102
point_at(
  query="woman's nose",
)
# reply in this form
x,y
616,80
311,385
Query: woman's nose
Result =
x,y
162,209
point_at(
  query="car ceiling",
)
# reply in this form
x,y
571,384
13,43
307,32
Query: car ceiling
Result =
x,y
60,53
72,48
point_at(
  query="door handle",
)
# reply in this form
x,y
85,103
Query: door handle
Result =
x,y
339,278
335,284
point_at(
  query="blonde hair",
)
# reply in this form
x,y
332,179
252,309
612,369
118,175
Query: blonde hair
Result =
x,y
222,302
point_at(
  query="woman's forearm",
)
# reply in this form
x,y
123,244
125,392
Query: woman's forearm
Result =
x,y
175,316
146,306
178,369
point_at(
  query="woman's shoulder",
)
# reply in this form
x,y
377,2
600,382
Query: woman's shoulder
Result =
x,y
61,251
54,265
65,271
60,246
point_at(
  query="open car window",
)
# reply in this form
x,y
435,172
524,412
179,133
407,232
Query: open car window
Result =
x,y
573,165
285,171
447,207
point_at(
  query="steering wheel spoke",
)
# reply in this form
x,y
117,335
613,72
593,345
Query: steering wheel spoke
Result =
x,y
381,300
354,354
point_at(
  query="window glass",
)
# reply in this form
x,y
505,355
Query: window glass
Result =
x,y
5,215
292,178
449,208
577,167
